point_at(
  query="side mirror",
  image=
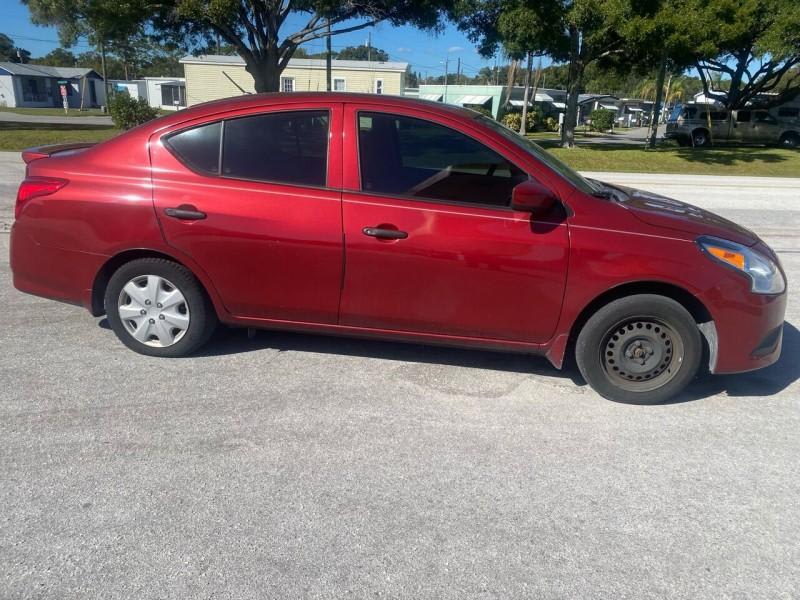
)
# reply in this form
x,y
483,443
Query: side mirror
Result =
x,y
531,196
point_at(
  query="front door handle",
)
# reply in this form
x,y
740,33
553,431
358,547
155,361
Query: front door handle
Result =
x,y
185,212
384,234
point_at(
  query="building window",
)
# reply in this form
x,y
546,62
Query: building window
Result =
x,y
287,84
173,95
339,84
379,86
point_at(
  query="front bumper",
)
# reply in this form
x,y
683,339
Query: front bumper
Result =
x,y
749,327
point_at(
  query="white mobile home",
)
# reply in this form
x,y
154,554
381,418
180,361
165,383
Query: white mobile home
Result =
x,y
38,86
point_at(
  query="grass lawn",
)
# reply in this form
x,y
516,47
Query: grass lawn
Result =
x,y
18,136
770,162
55,112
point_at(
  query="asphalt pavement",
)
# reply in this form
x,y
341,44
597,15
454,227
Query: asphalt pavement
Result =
x,y
301,466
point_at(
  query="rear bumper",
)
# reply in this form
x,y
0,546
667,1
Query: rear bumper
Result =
x,y
63,275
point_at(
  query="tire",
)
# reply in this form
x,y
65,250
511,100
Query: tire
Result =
x,y
153,319
790,140
643,349
700,138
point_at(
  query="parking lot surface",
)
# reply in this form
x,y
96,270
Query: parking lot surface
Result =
x,y
299,466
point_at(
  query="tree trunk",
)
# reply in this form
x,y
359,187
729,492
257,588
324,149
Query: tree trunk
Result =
x,y
536,80
511,76
526,95
266,74
103,68
655,116
573,89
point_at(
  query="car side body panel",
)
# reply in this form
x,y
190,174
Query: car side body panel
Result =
x,y
61,244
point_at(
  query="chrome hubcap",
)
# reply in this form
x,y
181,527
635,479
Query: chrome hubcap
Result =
x,y
642,354
153,311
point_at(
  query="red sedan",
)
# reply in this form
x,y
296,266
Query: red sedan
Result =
x,y
391,218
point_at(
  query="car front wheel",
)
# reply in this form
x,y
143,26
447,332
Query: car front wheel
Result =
x,y
643,349
158,308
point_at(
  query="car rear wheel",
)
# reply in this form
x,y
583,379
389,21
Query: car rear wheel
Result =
x,y
700,138
790,140
643,349
158,308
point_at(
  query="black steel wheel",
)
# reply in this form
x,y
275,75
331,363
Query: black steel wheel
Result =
x,y
643,349
642,354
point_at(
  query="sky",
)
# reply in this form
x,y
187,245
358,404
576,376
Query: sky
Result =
x,y
425,52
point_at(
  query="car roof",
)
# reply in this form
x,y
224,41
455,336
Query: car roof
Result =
x,y
290,98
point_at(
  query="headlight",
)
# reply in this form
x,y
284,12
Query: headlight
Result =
x,y
764,274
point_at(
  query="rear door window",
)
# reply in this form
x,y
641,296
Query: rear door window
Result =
x,y
284,147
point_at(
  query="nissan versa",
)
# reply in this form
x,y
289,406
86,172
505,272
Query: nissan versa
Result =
x,y
391,218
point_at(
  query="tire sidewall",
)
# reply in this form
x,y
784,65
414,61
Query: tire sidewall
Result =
x,y
594,332
202,317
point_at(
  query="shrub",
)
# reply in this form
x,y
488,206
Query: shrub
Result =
x,y
127,112
513,120
550,124
603,119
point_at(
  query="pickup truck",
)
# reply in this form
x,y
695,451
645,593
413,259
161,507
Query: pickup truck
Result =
x,y
689,126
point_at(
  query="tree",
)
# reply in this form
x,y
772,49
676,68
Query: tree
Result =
x,y
58,57
579,32
362,53
11,53
252,27
755,46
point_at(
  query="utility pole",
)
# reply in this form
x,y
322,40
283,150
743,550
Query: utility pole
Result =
x,y
328,65
446,61
458,71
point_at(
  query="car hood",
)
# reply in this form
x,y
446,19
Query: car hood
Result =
x,y
661,211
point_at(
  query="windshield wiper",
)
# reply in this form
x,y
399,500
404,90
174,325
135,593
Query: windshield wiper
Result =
x,y
606,193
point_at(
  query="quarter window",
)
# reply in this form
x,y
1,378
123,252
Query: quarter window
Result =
x,y
285,147
411,157
198,147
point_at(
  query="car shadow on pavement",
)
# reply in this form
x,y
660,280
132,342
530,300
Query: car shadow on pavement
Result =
x,y
764,382
234,341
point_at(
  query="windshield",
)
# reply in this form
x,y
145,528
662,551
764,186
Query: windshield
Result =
x,y
541,155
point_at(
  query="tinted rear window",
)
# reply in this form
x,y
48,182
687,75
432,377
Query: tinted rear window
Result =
x,y
198,147
285,147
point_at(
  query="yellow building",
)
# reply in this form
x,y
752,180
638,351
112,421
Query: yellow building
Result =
x,y
212,77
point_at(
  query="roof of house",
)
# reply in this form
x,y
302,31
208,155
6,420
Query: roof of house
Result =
x,y
300,63
46,71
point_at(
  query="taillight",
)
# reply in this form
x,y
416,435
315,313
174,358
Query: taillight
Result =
x,y
33,187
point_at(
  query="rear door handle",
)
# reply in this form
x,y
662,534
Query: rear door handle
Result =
x,y
384,234
185,212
